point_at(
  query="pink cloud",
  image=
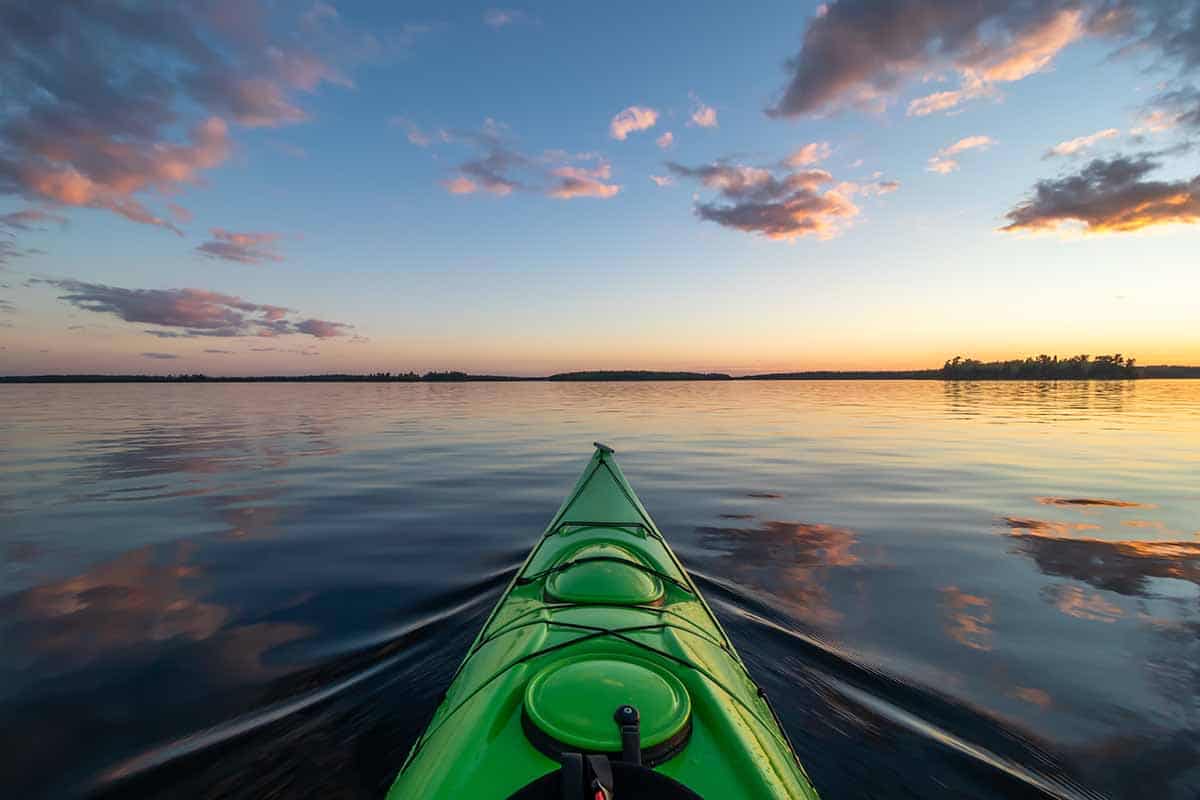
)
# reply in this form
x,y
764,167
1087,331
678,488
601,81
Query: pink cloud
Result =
x,y
861,53
95,115
704,116
460,185
810,153
631,120
582,182
126,170
944,161
245,248
187,313
665,141
1073,146
662,180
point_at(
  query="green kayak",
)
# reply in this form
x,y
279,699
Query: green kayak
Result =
x,y
602,673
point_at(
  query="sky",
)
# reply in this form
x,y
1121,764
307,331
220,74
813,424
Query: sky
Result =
x,y
243,187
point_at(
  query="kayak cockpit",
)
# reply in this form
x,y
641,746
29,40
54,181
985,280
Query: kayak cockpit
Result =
x,y
629,782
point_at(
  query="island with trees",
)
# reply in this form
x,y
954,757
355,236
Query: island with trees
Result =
x,y
1033,368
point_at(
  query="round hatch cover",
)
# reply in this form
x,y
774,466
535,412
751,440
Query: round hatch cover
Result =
x,y
569,706
608,581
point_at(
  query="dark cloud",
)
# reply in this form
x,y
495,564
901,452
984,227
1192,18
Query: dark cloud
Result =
x,y
7,307
1168,29
222,352
159,355
323,328
192,312
244,248
1178,108
96,94
1108,195
859,52
779,203
862,52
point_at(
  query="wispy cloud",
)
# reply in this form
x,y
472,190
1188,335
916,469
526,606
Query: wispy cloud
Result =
x,y
30,219
1080,143
415,134
665,141
1109,196
944,161
811,153
244,248
972,89
184,313
662,180
500,169
497,18
219,352
1177,108
161,356
631,120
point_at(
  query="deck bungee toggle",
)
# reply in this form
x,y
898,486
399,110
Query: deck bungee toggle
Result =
x,y
602,674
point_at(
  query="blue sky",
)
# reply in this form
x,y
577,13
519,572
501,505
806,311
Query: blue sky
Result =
x,y
314,199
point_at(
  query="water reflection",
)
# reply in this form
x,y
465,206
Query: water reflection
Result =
x,y
259,590
1085,502
968,618
1038,400
1037,697
128,606
1123,566
1081,604
789,560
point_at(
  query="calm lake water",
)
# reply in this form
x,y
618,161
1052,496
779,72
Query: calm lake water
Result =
x,y
949,590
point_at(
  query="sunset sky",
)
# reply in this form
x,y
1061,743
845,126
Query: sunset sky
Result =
x,y
233,187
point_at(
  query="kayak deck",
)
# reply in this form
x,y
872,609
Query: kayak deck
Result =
x,y
601,610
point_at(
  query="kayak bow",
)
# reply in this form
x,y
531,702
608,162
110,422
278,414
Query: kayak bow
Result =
x,y
602,668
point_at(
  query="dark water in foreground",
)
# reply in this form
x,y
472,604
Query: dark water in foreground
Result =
x,y
949,590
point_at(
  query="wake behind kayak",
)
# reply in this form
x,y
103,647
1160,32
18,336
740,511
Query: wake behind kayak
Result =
x,y
602,673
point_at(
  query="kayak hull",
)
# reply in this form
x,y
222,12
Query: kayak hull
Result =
x,y
602,609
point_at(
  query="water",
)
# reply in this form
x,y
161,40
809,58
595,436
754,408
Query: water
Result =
x,y
259,590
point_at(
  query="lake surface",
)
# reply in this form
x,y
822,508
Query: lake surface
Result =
x,y
259,590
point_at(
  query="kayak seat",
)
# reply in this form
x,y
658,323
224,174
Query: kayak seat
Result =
x,y
630,782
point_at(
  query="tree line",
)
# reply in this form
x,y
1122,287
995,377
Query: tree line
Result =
x,y
1043,367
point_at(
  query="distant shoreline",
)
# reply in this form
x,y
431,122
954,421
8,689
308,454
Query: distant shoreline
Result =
x,y
606,376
